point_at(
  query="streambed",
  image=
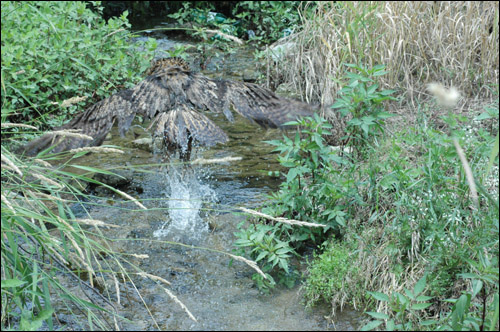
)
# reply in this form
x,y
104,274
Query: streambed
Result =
x,y
199,209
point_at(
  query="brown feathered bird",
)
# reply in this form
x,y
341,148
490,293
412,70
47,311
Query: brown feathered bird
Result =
x,y
172,95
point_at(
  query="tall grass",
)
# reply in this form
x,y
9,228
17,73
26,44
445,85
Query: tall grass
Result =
x,y
419,42
47,250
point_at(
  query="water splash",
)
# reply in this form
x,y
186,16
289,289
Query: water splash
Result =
x,y
186,194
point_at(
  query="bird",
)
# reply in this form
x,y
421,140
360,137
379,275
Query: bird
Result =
x,y
175,98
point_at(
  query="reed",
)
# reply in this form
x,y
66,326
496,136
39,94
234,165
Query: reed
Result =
x,y
419,42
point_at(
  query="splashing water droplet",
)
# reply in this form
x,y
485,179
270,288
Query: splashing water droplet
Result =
x,y
186,195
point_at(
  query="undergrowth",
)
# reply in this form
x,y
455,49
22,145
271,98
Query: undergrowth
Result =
x,y
404,232
62,56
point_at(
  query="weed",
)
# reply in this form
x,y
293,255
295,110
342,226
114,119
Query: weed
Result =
x,y
361,100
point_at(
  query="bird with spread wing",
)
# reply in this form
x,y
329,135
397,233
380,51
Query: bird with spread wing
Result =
x,y
172,96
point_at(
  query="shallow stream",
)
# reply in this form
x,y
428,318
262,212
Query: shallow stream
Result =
x,y
198,207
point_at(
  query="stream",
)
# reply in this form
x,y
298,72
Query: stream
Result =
x,y
198,207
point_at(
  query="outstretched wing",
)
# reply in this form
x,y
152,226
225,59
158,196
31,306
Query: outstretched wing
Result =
x,y
172,95
261,105
96,121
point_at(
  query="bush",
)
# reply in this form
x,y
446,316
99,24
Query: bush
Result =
x,y
270,20
55,51
329,273
418,219
361,100
313,193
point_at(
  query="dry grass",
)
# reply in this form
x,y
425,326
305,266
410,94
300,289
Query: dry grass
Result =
x,y
420,42
281,219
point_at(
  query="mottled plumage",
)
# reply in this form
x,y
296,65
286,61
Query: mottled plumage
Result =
x,y
173,95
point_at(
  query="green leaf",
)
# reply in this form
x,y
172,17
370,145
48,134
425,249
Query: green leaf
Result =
x,y
44,314
423,298
420,285
292,174
340,220
379,296
477,285
371,325
390,326
7,283
482,116
428,322
387,92
420,306
410,294
261,256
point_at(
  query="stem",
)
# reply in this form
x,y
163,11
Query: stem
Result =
x,y
483,293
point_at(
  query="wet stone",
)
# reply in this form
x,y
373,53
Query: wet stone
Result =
x,y
250,75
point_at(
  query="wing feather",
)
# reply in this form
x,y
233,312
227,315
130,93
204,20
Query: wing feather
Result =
x,y
178,125
173,95
95,121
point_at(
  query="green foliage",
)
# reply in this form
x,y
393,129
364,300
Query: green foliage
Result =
x,y
54,51
465,314
418,199
328,272
270,20
473,311
311,193
407,200
403,306
267,249
202,17
361,100
51,52
179,51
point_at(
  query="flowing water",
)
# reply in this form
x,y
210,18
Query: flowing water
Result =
x,y
197,206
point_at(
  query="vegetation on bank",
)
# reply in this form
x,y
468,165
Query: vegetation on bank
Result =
x,y
411,229
62,55
401,211
57,57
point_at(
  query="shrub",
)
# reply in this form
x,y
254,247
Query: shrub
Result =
x,y
313,193
328,274
361,100
55,51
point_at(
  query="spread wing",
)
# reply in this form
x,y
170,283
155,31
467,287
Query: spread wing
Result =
x,y
96,121
261,105
172,96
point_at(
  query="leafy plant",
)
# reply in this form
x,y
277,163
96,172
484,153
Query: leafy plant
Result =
x,y
328,273
269,20
310,193
267,249
201,19
473,310
56,51
361,100
403,307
